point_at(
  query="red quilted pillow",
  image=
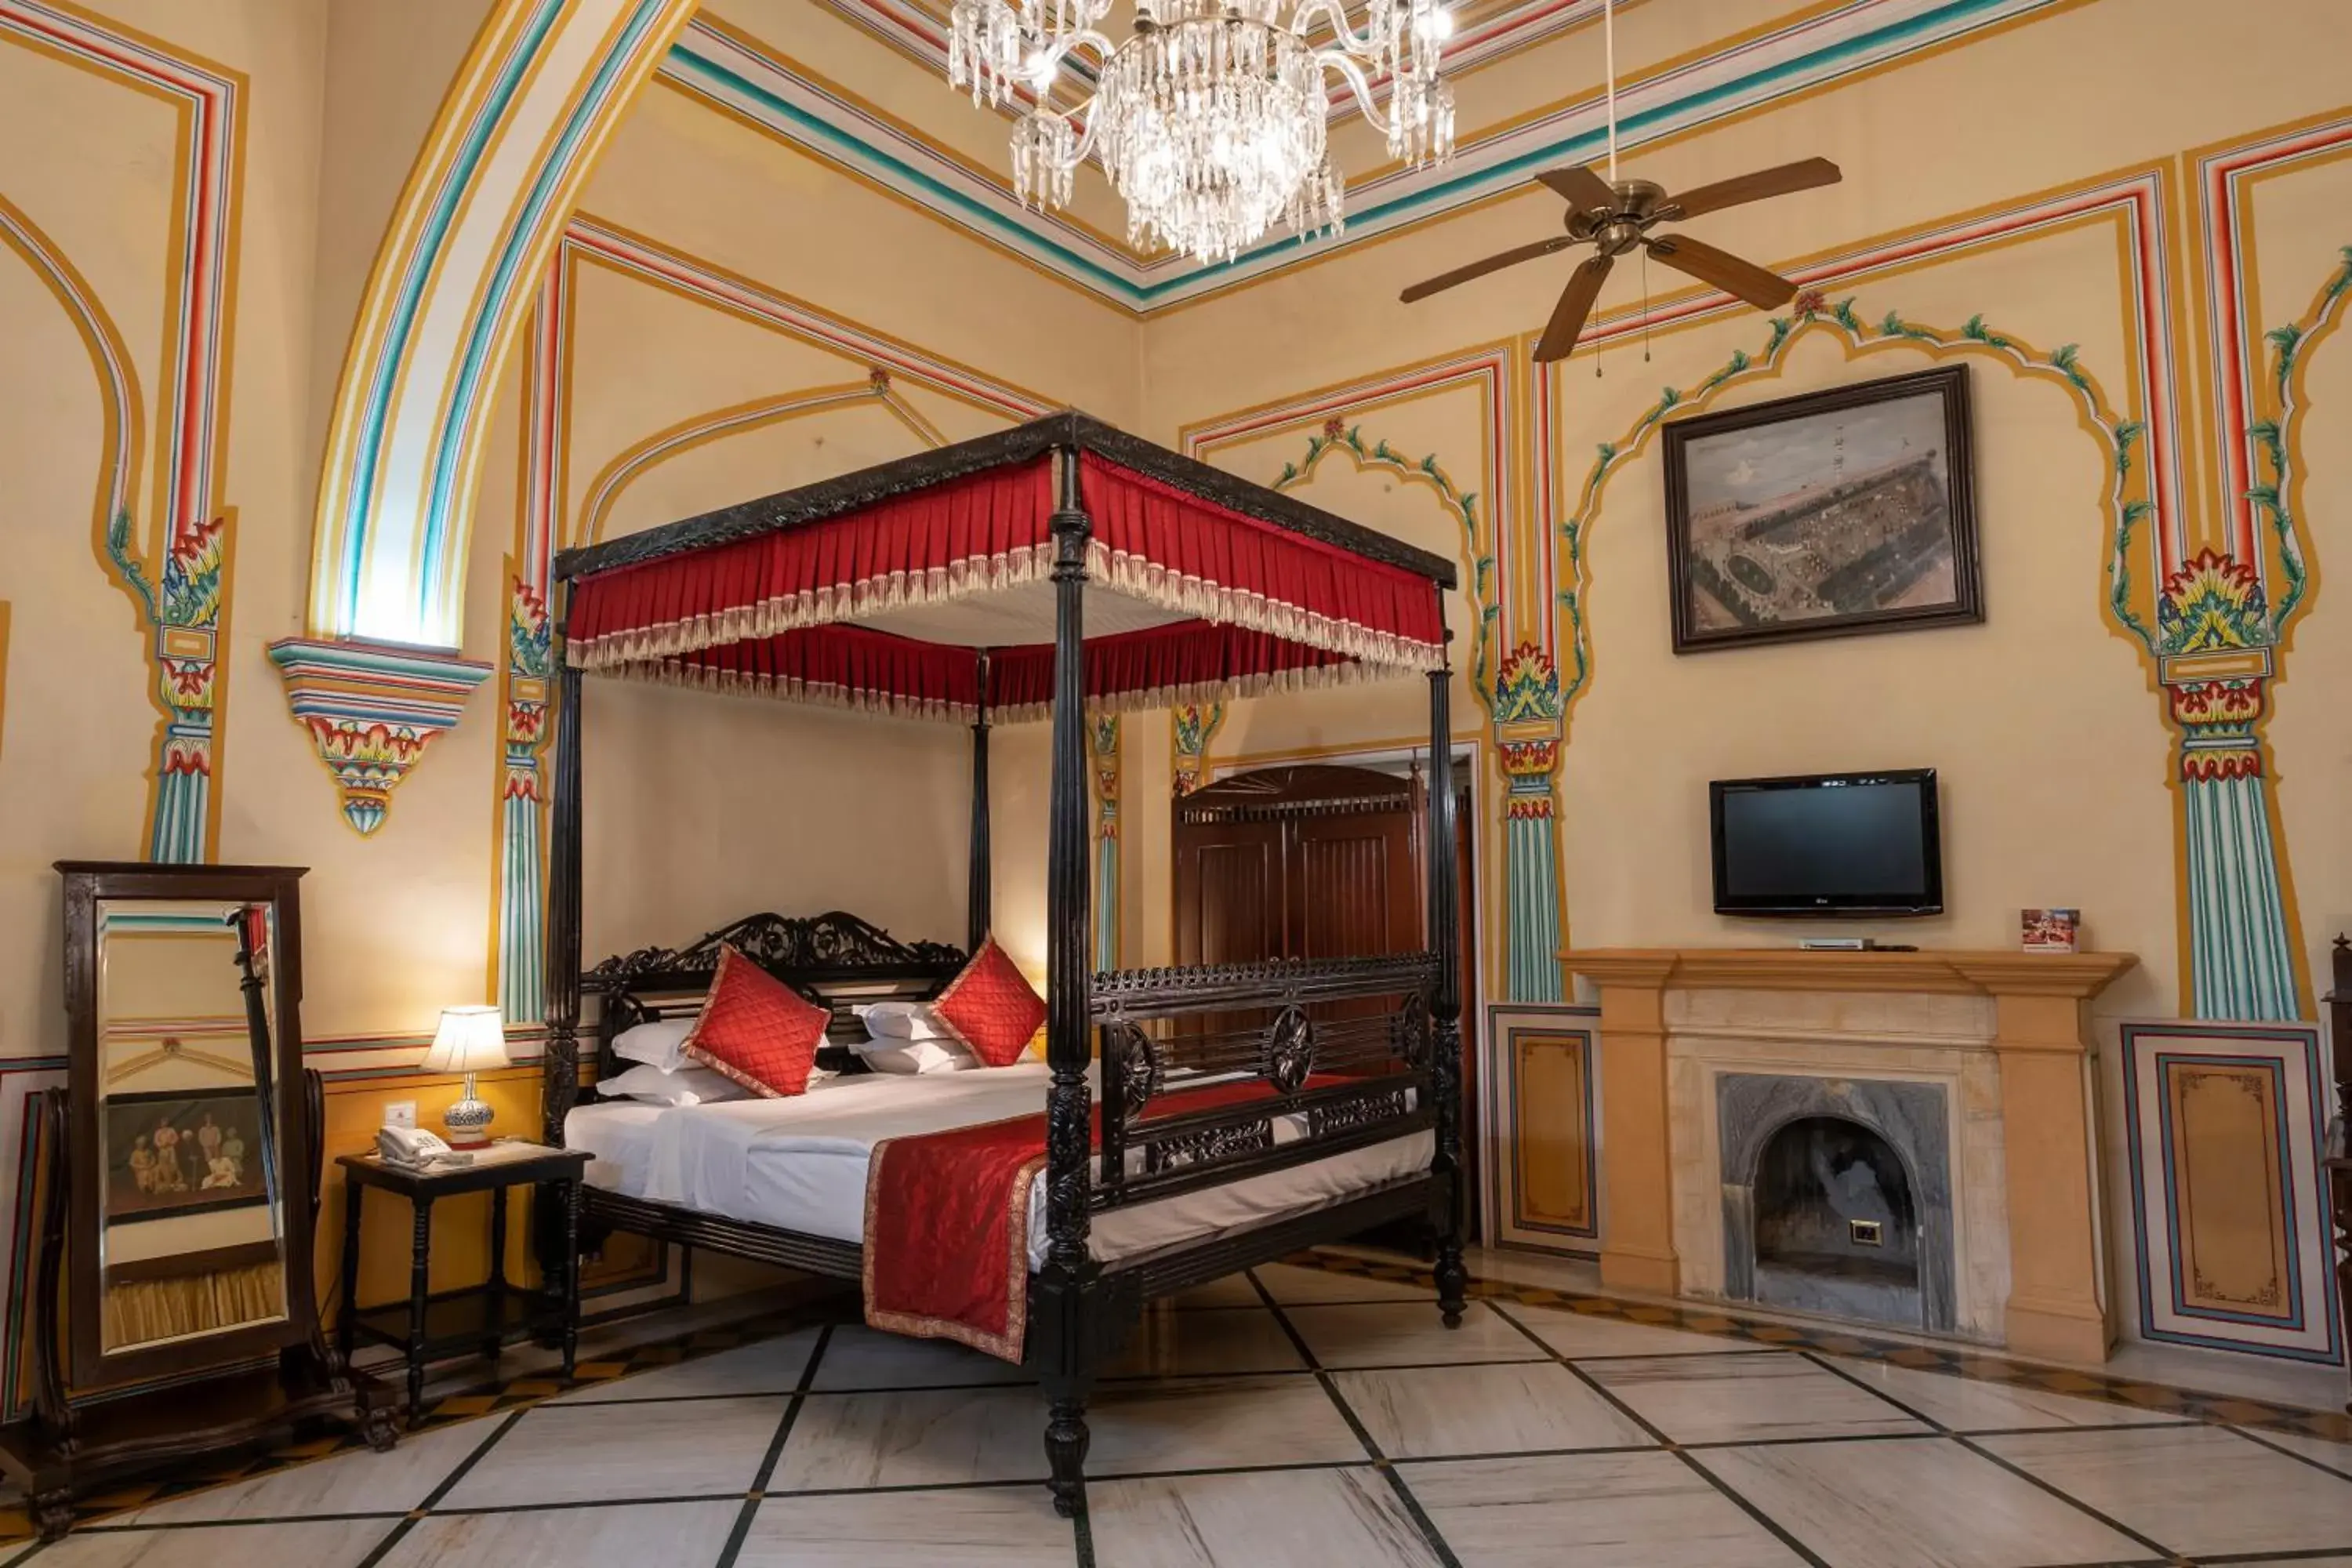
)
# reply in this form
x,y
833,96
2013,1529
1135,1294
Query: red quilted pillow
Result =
x,y
990,1007
756,1029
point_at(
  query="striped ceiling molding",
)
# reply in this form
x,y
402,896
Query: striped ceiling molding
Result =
x,y
484,208
1818,47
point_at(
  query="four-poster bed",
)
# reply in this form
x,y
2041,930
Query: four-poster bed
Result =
x,y
1244,1110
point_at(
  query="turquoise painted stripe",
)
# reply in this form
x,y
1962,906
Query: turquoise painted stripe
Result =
x,y
841,142
446,201
2241,963
483,327
1912,32
1107,904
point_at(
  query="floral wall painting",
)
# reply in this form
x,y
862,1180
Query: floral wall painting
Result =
x,y
1840,512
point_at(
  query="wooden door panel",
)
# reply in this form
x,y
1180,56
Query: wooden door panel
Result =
x,y
1229,894
1347,895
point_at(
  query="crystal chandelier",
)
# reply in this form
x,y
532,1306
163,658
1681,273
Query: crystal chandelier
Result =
x,y
1209,118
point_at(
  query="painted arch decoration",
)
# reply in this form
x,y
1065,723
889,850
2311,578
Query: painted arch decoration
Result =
x,y
171,556
487,199
1512,668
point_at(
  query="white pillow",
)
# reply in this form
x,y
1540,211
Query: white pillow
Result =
x,y
687,1086
916,1056
658,1045
903,1021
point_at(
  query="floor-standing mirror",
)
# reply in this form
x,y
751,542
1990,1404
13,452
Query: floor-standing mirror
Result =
x,y
174,1308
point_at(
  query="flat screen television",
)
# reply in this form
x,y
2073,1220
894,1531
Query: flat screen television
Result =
x,y
1830,844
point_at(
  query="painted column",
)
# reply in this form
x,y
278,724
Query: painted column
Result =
x,y
186,612
1103,730
522,875
1528,731
2216,658
1193,725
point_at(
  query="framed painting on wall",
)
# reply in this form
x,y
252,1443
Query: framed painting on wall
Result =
x,y
1828,514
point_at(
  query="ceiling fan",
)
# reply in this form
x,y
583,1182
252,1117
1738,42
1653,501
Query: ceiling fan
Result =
x,y
1615,215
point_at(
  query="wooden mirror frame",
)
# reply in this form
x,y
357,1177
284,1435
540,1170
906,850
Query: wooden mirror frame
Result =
x,y
88,884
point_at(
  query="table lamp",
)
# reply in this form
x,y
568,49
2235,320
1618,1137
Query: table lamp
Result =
x,y
469,1040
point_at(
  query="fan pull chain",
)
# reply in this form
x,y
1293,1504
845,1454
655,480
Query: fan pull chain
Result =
x,y
1646,304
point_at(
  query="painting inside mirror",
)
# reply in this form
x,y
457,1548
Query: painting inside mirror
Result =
x,y
189,1241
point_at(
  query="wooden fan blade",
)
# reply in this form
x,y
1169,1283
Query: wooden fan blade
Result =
x,y
1575,305
1423,290
1783,181
1581,186
1765,290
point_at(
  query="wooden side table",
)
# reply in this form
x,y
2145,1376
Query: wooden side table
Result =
x,y
481,1317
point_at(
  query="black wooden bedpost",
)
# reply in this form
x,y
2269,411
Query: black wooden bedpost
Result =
x,y
1445,999
1063,1337
561,1078
560,1072
978,881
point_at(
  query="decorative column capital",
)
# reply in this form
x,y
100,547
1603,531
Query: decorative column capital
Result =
x,y
371,711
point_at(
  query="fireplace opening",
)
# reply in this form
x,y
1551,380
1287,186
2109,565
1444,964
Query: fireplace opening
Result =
x,y
1837,1225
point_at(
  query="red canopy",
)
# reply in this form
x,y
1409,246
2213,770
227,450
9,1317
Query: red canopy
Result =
x,y
1222,588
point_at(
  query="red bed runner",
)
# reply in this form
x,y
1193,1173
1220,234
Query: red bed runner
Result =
x,y
946,1224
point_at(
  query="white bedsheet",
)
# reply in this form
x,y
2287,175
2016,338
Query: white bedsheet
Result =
x,y
800,1163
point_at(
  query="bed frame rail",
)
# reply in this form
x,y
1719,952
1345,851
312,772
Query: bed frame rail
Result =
x,y
1344,1046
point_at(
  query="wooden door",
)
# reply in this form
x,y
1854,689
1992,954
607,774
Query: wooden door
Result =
x,y
1318,862
1303,862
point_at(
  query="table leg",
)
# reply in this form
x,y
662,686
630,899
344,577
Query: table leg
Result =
x,y
494,1325
346,1326
418,1290
570,1275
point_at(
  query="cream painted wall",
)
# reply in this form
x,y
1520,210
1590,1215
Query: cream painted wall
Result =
x,y
2045,723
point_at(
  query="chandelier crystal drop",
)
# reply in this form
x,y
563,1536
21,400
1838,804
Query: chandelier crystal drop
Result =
x,y
1210,119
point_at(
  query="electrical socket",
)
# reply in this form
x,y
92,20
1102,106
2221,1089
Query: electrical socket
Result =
x,y
400,1113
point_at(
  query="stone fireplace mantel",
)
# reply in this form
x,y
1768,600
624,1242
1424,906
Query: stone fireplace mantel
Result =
x,y
2035,1014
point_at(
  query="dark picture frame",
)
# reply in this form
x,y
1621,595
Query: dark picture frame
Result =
x,y
1890,548
192,1186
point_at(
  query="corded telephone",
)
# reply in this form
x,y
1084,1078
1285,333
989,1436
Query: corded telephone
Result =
x,y
415,1146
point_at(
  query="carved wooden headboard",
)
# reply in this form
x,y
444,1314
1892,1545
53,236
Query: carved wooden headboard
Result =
x,y
835,960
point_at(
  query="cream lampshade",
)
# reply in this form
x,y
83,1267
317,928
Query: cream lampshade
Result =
x,y
469,1040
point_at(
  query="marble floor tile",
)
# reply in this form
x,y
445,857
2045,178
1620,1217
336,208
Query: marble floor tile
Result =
x,y
1211,1423
357,1482
2337,1457
1590,1510
1423,1412
2193,1489
1746,1398
1198,1344
771,1367
1972,1404
971,1527
1233,1290
1408,1334
314,1543
604,1453
859,1357
1574,1334
1924,1504
1271,1518
1291,1285
675,1535
944,1437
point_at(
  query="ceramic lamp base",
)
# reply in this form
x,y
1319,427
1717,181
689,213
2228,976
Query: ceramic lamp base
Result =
x,y
467,1121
